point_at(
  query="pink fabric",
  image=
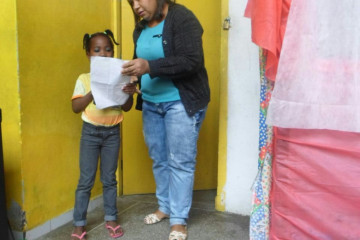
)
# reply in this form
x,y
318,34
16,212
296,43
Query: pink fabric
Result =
x,y
318,79
316,187
268,22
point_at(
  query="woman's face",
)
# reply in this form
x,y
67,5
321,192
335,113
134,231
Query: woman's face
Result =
x,y
145,8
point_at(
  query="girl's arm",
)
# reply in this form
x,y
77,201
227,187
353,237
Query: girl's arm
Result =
x,y
130,89
128,104
79,104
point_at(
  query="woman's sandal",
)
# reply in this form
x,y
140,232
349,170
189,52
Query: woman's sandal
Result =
x,y
113,229
175,235
80,237
152,219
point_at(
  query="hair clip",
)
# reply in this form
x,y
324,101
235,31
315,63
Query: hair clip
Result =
x,y
89,35
105,33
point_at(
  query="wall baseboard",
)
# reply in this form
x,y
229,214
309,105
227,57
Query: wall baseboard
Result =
x,y
55,222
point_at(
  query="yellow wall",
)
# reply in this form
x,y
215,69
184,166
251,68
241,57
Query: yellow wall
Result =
x,y
10,105
50,59
209,15
137,165
42,56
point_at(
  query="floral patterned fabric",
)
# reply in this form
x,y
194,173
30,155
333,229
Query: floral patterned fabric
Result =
x,y
260,215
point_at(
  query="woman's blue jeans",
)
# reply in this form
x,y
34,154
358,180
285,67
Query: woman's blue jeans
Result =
x,y
103,142
171,136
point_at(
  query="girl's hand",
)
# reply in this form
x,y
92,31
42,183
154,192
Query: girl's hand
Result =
x,y
136,67
130,88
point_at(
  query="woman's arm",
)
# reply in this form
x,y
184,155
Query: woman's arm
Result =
x,y
182,41
79,104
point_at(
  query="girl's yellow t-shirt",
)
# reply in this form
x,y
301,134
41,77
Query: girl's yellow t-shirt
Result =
x,y
99,117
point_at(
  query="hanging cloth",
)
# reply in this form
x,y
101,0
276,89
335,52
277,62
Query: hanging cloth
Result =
x,y
268,23
315,186
317,84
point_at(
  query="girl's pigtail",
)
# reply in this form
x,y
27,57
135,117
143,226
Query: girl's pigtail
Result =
x,y
111,35
86,41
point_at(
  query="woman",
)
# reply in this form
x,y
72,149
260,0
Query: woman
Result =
x,y
169,61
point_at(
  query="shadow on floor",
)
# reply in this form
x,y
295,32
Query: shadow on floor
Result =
x,y
205,223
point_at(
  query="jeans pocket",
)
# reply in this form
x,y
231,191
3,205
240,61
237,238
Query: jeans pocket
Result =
x,y
199,117
87,131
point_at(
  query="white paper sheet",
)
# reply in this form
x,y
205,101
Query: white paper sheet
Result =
x,y
107,82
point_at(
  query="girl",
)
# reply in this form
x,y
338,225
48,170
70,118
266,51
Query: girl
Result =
x,y
100,137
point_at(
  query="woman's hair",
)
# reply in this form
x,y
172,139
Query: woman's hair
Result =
x,y
107,33
158,11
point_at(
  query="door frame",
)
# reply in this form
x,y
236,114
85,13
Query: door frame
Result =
x,y
119,17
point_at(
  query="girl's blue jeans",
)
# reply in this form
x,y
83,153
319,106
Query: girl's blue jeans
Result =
x,y
171,137
103,142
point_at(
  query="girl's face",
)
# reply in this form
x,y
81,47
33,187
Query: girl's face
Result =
x,y
100,46
145,8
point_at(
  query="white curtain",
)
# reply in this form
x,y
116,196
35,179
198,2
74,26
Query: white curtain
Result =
x,y
317,84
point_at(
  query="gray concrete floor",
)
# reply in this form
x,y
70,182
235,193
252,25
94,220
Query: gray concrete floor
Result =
x,y
204,221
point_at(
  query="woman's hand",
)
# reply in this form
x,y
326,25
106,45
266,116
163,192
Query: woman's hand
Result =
x,y
136,67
